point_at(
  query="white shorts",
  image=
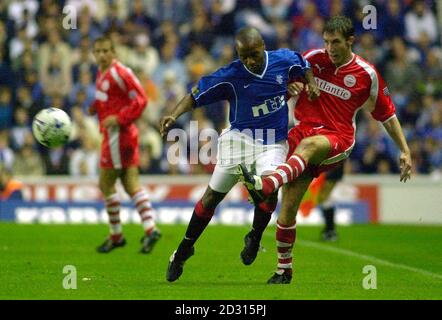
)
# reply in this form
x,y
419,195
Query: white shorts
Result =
x,y
235,148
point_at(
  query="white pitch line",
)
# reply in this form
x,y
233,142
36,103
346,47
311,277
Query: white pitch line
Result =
x,y
372,259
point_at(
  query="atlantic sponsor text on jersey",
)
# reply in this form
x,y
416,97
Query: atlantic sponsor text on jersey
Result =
x,y
333,89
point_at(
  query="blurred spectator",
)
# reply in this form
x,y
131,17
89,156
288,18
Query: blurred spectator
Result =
x,y
25,102
401,75
420,20
311,38
275,10
121,49
84,160
6,72
17,44
337,8
3,33
170,93
177,11
200,33
29,24
169,61
56,77
391,21
24,64
56,161
227,56
409,115
83,60
54,43
10,188
97,8
431,82
49,8
28,162
198,62
421,158
283,32
83,124
58,101
6,154
20,10
85,85
141,18
55,65
304,18
150,138
86,28
113,20
32,82
21,129
368,49
148,164
372,134
143,57
5,108
165,33
222,17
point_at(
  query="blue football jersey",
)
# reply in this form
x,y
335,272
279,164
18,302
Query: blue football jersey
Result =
x,y
258,102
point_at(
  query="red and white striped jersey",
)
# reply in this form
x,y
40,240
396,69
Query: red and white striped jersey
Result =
x,y
344,90
119,92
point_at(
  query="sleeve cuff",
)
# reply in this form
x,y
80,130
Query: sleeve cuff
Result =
x,y
389,118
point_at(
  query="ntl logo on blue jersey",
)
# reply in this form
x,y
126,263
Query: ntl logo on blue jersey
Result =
x,y
269,106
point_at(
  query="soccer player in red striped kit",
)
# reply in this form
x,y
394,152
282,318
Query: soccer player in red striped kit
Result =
x,y
119,102
325,134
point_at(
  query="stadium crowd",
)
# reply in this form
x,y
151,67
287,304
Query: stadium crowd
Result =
x,y
46,60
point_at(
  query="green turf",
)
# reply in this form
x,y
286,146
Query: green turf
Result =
x,y
32,258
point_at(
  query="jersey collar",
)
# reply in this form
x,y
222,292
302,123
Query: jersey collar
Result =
x,y
346,64
265,68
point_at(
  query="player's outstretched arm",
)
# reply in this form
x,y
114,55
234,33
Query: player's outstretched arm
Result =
x,y
394,129
311,87
185,105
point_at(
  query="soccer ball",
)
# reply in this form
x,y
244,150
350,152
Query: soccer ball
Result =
x,y
52,127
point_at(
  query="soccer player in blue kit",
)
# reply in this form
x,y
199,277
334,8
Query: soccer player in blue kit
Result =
x,y
256,87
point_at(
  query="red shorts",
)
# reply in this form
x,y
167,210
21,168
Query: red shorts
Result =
x,y
340,146
119,149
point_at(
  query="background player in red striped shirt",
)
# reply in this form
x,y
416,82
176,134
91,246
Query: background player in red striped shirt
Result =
x,y
325,134
119,102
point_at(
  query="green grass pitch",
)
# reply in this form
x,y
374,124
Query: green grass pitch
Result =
x,y
408,261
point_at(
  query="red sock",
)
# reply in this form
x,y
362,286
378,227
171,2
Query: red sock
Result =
x,y
284,173
141,201
285,240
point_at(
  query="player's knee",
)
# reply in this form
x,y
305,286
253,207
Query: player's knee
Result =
x,y
309,144
211,198
103,187
313,149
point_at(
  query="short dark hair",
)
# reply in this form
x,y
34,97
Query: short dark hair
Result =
x,y
340,24
104,38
